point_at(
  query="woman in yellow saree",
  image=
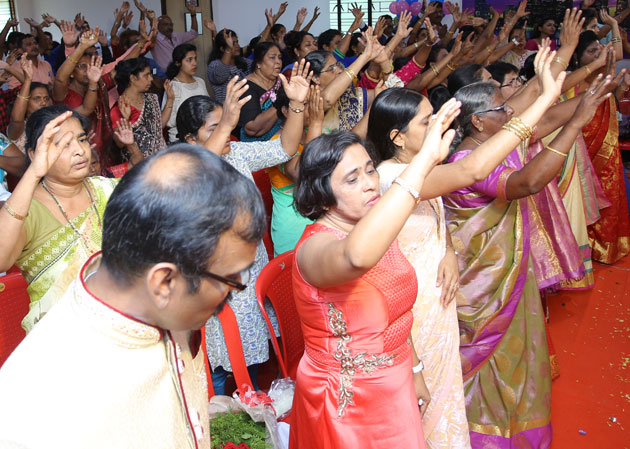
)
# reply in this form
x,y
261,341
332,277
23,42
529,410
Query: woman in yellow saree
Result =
x,y
52,223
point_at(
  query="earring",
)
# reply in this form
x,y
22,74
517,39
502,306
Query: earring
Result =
x,y
257,66
480,129
403,146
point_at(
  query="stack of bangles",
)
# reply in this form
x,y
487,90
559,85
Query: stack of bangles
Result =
x,y
517,126
28,97
350,73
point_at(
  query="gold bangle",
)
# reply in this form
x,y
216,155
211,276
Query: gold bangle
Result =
x,y
23,97
556,151
450,67
450,32
588,71
405,185
350,73
74,61
520,128
435,69
562,62
489,50
13,213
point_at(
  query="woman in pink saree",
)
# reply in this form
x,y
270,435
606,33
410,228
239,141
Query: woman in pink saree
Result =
x,y
505,361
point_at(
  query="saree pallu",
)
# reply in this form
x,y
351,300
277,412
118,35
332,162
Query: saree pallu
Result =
x,y
610,236
347,111
505,360
54,253
556,254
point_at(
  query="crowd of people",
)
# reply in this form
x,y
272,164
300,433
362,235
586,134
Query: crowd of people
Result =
x,y
437,185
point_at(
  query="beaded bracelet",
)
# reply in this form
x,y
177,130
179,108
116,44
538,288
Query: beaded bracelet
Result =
x,y
405,185
13,213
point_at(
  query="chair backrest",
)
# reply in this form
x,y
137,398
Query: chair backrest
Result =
x,y
14,301
274,283
264,186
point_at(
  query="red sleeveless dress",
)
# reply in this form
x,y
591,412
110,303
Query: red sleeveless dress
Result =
x,y
354,386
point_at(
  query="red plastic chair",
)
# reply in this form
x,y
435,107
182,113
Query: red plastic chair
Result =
x,y
234,346
14,301
274,283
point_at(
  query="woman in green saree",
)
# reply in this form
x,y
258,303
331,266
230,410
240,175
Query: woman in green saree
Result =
x,y
52,223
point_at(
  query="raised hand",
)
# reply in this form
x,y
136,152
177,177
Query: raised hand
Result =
x,y
606,18
234,101
435,145
168,90
13,56
598,91
229,39
432,34
520,11
269,16
12,23
478,21
315,14
31,22
79,20
126,20
48,149
358,16
315,106
301,15
571,28
124,132
125,7
209,24
94,69
281,10
403,29
27,68
379,28
550,88
140,6
68,33
124,107
297,88
457,45
102,38
430,9
48,18
90,38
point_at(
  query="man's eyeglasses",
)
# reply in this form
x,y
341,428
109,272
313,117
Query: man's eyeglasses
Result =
x,y
240,286
337,65
514,82
503,108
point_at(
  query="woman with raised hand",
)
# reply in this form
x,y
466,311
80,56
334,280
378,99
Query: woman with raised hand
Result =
x,y
225,62
504,356
204,121
181,72
141,108
397,125
52,223
344,104
359,383
32,97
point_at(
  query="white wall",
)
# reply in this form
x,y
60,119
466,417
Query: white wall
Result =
x,y
247,17
97,12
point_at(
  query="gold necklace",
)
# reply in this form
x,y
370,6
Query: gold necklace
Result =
x,y
477,141
65,215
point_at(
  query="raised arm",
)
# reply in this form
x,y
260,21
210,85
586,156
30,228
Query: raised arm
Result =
x,y
91,95
325,261
313,19
170,99
192,9
296,90
62,79
616,37
5,31
18,113
299,19
344,45
545,166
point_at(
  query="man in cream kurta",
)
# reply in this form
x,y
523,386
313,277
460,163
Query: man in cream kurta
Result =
x,y
117,362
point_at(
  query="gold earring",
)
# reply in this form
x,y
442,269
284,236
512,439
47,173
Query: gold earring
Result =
x,y
481,129
403,146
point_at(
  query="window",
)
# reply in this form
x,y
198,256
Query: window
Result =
x,y
7,11
341,17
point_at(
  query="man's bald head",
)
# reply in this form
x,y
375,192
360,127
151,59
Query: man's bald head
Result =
x,y
165,25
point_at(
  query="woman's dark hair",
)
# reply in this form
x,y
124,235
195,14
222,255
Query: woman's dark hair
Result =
x,y
464,76
38,120
179,54
399,63
588,14
126,68
250,47
276,29
327,37
318,59
149,220
293,41
528,71
219,47
391,109
192,113
500,69
260,51
125,38
586,39
313,193
282,101
438,96
513,30
36,85
354,42
474,98
539,24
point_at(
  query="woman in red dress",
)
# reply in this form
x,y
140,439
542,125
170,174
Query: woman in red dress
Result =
x,y
359,383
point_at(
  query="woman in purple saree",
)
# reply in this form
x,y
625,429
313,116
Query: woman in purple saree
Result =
x,y
503,348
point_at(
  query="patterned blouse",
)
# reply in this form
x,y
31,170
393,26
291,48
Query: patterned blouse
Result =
x,y
247,157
